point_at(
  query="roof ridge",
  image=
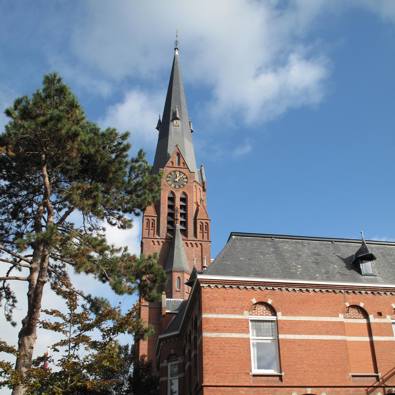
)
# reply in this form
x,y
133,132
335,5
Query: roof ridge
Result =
x,y
310,238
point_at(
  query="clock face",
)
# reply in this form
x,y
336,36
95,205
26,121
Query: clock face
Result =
x,y
177,179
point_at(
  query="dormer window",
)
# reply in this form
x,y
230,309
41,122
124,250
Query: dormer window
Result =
x,y
364,260
367,268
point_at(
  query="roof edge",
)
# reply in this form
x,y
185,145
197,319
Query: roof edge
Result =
x,y
310,238
291,281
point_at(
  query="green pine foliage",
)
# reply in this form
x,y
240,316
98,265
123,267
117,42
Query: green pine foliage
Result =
x,y
61,178
87,359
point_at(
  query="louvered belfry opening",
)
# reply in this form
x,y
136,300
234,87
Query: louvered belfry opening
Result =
x,y
171,210
184,213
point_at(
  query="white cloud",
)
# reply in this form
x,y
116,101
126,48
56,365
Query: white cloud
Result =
x,y
251,55
255,59
129,238
137,113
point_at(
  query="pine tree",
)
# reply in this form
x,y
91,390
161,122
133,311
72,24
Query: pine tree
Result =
x,y
61,177
88,359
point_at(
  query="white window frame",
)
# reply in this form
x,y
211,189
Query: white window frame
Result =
x,y
171,378
264,340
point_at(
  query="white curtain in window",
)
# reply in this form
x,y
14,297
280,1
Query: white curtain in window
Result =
x,y
265,355
264,345
263,329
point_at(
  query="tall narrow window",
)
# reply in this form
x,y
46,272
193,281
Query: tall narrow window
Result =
x,y
171,205
178,160
206,235
264,339
201,232
393,327
195,348
178,283
184,213
172,379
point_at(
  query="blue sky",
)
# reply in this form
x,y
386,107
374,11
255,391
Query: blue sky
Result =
x,y
293,102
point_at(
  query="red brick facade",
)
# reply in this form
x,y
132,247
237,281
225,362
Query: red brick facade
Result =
x,y
330,341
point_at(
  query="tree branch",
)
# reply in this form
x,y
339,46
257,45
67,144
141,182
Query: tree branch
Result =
x,y
18,278
65,215
7,261
14,254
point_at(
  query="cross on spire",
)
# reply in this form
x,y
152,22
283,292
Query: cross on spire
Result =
x,y
176,49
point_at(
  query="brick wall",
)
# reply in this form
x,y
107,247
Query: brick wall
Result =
x,y
318,346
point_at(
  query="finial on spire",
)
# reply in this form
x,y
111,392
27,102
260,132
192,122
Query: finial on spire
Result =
x,y
176,49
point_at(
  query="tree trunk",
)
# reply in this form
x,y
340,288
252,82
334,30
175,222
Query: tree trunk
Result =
x,y
28,334
38,277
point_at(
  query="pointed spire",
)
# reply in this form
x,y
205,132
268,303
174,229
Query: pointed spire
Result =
x,y
177,258
175,128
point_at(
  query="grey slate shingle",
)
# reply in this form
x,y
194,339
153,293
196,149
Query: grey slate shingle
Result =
x,y
281,257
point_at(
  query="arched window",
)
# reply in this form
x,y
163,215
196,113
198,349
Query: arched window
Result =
x,y
171,206
152,227
178,160
360,344
184,213
178,283
264,339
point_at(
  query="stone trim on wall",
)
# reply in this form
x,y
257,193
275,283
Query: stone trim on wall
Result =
x,y
306,289
301,337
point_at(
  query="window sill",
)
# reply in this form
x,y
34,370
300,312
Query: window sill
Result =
x,y
276,374
365,375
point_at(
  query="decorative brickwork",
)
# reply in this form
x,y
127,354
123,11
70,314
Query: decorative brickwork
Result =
x,y
262,309
355,312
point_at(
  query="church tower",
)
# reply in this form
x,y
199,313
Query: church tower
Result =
x,y
177,227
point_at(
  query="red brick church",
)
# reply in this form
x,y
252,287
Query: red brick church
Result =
x,y
272,314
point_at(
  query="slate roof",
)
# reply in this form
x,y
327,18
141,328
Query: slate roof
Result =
x,y
175,323
281,257
170,135
177,259
172,305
